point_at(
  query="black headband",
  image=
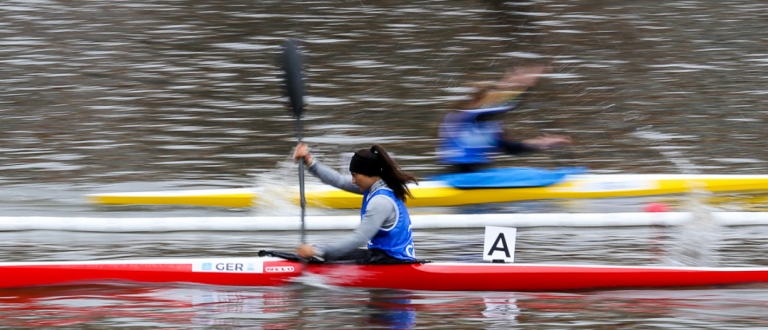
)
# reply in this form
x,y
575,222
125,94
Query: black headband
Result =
x,y
365,165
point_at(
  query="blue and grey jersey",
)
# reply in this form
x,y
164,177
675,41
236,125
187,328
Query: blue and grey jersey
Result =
x,y
464,140
467,140
395,240
379,213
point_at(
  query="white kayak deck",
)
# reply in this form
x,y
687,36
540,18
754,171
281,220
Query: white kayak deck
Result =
x,y
432,221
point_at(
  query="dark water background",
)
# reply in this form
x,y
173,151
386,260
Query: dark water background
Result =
x,y
102,96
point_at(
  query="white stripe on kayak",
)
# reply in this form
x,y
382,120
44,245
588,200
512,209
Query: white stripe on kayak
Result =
x,y
431,221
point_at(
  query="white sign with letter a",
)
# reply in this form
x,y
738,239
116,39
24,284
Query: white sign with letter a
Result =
x,y
499,244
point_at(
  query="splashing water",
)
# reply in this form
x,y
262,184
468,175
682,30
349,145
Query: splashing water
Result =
x,y
277,191
697,240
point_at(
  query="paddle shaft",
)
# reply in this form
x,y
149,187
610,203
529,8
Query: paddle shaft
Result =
x,y
302,198
294,88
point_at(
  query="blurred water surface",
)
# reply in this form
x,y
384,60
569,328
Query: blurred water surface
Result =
x,y
101,96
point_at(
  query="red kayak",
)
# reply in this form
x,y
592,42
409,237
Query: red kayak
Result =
x,y
269,271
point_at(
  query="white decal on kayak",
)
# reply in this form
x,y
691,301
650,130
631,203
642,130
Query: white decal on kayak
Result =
x,y
279,269
228,266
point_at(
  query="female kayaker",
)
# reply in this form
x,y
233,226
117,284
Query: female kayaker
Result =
x,y
471,136
385,224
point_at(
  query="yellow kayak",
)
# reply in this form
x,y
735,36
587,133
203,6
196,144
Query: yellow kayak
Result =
x,y
436,193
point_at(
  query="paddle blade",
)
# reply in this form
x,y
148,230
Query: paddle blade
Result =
x,y
293,77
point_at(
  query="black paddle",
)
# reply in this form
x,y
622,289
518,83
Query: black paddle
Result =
x,y
294,89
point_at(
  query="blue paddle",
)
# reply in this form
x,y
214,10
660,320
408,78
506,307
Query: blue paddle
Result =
x,y
294,89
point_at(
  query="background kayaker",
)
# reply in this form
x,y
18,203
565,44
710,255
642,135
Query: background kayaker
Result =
x,y
385,225
469,137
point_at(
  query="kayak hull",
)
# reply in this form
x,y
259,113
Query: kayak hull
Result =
x,y
437,194
534,278
430,276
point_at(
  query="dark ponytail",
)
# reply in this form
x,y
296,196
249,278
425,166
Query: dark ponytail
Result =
x,y
391,173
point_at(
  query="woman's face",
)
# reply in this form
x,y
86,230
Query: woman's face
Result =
x,y
364,182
